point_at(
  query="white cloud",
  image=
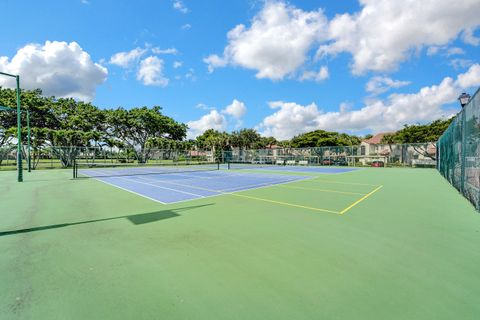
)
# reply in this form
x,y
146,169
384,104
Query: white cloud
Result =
x,y
469,79
321,75
190,75
444,50
236,109
164,51
150,72
454,51
186,26
217,120
277,42
126,58
58,68
385,32
391,114
212,120
469,37
433,50
379,84
178,5
290,120
203,106
215,61
380,36
461,63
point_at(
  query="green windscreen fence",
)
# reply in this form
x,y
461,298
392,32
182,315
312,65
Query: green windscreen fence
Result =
x,y
459,151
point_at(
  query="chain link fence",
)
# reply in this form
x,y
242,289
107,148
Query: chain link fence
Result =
x,y
47,157
388,155
459,151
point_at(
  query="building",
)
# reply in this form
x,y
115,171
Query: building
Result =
x,y
415,154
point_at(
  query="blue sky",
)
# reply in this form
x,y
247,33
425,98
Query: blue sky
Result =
x,y
281,67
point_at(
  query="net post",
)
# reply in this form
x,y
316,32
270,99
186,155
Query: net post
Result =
x,y
228,165
74,168
29,158
19,133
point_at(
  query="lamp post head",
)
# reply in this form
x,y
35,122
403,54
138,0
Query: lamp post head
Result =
x,y
464,99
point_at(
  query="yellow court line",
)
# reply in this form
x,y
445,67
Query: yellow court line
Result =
x,y
283,203
280,202
360,200
220,192
352,183
323,190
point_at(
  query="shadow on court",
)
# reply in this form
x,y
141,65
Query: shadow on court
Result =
x,y
136,219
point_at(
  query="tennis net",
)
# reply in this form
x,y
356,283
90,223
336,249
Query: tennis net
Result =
x,y
234,165
98,170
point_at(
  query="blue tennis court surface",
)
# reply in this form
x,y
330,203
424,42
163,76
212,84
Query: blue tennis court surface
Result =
x,y
176,187
170,184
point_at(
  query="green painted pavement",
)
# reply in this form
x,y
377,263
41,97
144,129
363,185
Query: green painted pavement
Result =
x,y
86,250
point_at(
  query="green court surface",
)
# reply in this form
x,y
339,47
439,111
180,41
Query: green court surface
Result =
x,y
378,243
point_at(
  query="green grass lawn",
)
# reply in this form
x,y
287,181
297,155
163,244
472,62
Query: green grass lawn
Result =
x,y
86,250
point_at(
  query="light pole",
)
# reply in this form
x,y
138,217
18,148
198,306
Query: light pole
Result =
x,y
19,127
464,98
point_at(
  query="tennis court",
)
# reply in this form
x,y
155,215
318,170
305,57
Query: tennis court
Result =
x,y
212,243
171,184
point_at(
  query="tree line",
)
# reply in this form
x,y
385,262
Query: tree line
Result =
x,y
65,122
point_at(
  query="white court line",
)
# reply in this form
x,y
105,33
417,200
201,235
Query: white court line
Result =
x,y
173,173
219,192
271,183
198,177
179,184
138,194
232,189
162,181
233,192
153,185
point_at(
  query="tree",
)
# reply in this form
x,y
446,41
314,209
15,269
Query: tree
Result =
x,y
368,136
215,141
40,118
284,143
266,142
74,124
389,138
421,134
321,138
138,128
6,135
246,139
